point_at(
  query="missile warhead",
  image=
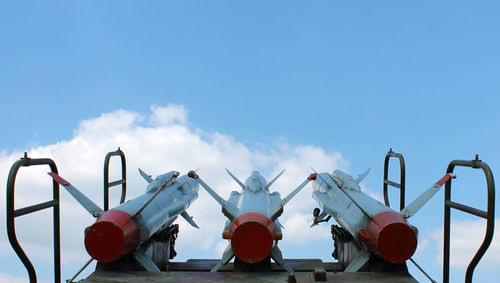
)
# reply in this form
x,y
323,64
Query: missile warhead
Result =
x,y
389,236
113,235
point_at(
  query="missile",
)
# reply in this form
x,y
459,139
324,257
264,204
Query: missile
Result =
x,y
378,229
122,230
253,228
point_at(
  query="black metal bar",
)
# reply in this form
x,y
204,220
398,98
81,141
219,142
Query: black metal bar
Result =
x,y
122,182
402,177
490,217
34,208
391,183
80,271
12,213
467,209
422,270
116,183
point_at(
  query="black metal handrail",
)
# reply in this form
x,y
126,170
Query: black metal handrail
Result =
x,y
401,185
489,215
122,182
12,213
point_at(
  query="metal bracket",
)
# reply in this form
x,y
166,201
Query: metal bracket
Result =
x,y
122,182
12,213
401,185
489,215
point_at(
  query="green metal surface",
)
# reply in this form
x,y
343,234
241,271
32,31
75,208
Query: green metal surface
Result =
x,y
192,276
197,270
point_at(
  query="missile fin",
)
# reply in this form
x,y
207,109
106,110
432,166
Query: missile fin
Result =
x,y
277,256
276,212
189,219
226,257
415,205
235,179
145,261
362,176
320,218
273,180
89,205
145,176
359,261
229,210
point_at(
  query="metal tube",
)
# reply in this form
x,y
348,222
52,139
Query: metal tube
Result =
x,y
80,271
34,208
123,181
468,209
12,213
490,217
402,177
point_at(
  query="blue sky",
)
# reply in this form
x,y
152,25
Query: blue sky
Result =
x,y
354,78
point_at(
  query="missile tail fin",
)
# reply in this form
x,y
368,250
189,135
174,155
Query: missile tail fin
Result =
x,y
226,257
362,176
229,210
277,256
320,218
273,180
145,261
145,176
89,205
189,219
276,212
358,262
235,179
417,204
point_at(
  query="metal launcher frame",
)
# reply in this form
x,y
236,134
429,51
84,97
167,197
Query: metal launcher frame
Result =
x,y
489,215
122,182
12,213
402,178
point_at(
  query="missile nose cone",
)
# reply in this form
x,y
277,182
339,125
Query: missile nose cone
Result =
x,y
114,234
389,236
252,237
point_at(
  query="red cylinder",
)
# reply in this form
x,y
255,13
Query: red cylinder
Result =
x,y
389,236
113,235
252,236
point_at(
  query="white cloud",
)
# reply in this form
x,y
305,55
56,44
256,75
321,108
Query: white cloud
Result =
x,y
298,232
171,114
466,237
15,279
220,247
165,143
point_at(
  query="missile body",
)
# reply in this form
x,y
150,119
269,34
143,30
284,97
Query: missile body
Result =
x,y
380,230
121,230
252,228
252,232
385,232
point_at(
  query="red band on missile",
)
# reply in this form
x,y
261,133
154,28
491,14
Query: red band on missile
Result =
x,y
252,236
113,235
444,179
59,179
389,236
